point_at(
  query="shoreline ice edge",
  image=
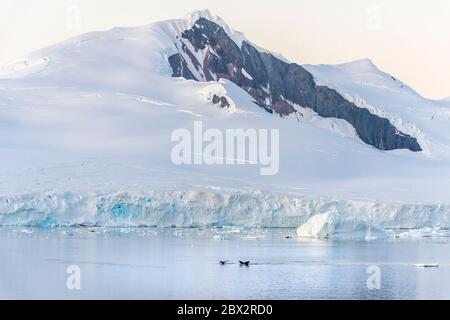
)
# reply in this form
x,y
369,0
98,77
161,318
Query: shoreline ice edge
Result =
x,y
209,209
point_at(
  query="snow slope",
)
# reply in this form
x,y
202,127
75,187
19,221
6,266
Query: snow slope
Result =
x,y
85,130
446,101
368,87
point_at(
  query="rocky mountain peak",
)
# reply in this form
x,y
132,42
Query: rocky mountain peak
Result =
x,y
207,52
194,16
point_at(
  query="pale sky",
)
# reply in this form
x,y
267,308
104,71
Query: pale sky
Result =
x,y
407,38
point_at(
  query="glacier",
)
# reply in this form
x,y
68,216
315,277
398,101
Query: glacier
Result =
x,y
212,209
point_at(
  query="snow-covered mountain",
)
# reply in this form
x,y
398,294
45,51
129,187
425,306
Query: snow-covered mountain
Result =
x,y
86,125
382,94
207,53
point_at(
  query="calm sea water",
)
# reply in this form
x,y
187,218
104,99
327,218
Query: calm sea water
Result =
x,y
183,264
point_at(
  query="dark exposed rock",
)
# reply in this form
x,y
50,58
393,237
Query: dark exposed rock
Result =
x,y
222,100
278,86
180,68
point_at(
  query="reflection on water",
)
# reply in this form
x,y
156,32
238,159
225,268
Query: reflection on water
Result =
x,y
147,263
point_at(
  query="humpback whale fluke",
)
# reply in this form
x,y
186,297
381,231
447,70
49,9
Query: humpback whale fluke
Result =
x,y
244,263
223,262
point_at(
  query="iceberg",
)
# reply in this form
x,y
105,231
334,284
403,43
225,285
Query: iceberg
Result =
x,y
427,265
338,226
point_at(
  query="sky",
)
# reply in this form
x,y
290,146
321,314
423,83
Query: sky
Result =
x,y
409,39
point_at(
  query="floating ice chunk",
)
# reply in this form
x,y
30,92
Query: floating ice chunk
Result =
x,y
335,226
250,237
424,233
221,237
427,265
